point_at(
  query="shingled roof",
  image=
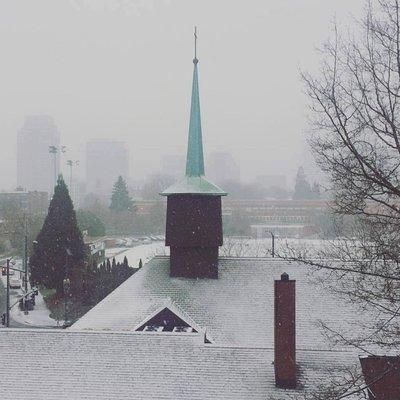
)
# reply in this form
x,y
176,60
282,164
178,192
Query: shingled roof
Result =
x,y
104,356
54,365
237,309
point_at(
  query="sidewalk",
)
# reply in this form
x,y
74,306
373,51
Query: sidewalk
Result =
x,y
39,317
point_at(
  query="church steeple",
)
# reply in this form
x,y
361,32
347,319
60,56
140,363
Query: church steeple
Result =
x,y
194,213
194,181
195,159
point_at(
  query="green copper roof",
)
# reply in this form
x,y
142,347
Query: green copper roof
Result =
x,y
194,159
194,181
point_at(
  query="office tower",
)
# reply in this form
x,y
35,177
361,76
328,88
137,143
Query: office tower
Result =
x,y
105,161
222,167
173,165
36,167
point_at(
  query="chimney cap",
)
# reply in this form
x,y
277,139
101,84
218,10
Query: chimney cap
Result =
x,y
285,277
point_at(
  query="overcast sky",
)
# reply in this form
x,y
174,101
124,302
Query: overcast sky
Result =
x,y
122,69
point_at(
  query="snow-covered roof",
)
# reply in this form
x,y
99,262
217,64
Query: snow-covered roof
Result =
x,y
237,309
194,185
103,356
57,364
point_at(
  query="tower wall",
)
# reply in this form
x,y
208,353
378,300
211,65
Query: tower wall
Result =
x,y
193,221
194,262
194,233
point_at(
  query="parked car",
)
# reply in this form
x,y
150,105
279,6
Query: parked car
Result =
x,y
15,283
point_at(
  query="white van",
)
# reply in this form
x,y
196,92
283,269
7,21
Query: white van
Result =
x,y
15,283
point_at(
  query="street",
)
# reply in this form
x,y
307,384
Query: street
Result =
x,y
13,324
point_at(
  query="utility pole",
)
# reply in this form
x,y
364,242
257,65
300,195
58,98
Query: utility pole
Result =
x,y
54,150
273,244
66,286
8,295
6,316
71,163
26,261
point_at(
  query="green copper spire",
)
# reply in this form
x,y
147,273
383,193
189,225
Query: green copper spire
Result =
x,y
195,159
194,182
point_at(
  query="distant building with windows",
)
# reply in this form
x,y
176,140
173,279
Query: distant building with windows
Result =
x,y
173,165
35,166
222,167
30,202
286,218
95,248
105,161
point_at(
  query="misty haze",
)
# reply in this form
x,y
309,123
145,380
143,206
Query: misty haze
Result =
x,y
200,200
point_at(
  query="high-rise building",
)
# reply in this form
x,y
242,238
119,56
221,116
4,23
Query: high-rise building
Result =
x,y
173,165
222,167
105,161
36,167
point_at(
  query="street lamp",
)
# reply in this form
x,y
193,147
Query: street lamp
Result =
x,y
54,150
273,244
66,285
8,293
71,163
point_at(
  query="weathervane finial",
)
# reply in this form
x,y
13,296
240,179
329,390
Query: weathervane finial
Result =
x,y
195,60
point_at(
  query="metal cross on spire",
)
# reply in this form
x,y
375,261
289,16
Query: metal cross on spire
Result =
x,y
195,60
194,181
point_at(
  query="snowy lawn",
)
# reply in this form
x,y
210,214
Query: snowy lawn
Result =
x,y
232,247
145,252
248,247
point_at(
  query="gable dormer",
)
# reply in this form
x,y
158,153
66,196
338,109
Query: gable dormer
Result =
x,y
165,320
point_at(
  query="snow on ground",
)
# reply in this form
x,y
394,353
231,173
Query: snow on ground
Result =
x,y
142,251
39,317
233,247
114,251
248,247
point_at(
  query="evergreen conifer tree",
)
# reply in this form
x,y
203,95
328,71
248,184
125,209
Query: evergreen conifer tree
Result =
x,y
302,190
120,199
59,250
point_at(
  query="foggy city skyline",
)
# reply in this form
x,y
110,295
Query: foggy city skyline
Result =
x,y
122,71
200,200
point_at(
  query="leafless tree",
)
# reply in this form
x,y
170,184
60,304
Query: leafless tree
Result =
x,y
355,118
244,247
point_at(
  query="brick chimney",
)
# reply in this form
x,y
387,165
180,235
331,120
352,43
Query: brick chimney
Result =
x,y
382,375
285,332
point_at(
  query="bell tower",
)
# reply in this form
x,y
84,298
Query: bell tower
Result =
x,y
194,212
